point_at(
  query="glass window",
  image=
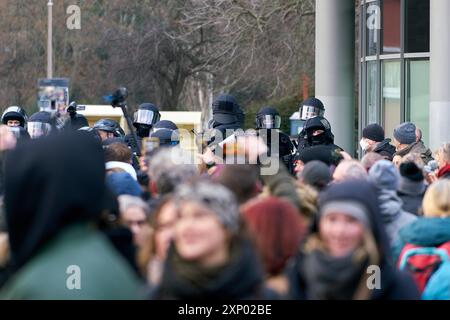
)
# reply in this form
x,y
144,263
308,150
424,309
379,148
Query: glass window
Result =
x,y
372,82
418,90
417,26
391,95
372,25
391,26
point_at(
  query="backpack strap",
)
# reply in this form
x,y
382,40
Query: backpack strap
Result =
x,y
442,253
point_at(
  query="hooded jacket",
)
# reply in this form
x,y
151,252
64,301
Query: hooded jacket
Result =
x,y
386,179
395,285
53,201
425,232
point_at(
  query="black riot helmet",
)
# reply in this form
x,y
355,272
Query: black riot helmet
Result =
x,y
15,113
166,137
226,110
165,124
147,114
268,118
111,126
40,124
311,108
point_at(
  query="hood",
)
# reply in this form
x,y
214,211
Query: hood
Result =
x,y
365,194
427,232
390,205
51,183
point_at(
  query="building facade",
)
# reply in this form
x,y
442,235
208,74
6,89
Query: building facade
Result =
x,y
403,63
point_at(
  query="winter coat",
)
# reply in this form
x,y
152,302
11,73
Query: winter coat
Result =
x,y
392,214
417,147
54,202
385,149
316,275
426,232
411,193
104,274
282,185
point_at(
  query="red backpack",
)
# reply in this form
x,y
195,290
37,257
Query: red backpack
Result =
x,y
423,262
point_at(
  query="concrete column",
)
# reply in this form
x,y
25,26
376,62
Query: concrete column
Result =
x,y
439,72
335,66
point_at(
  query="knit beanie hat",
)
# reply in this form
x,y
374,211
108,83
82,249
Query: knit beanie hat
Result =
x,y
384,175
373,132
214,196
316,173
405,133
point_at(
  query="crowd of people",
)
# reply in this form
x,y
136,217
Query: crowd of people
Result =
x,y
150,223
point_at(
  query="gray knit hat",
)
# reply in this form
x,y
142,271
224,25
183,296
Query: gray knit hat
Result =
x,y
349,207
405,133
384,175
214,196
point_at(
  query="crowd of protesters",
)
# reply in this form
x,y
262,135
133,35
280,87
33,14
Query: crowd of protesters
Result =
x,y
156,225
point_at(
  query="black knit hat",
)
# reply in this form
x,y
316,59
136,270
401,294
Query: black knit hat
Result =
x,y
411,171
373,132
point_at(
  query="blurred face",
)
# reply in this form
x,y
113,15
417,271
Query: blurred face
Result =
x,y
105,135
299,166
200,237
165,229
340,233
13,123
135,219
317,132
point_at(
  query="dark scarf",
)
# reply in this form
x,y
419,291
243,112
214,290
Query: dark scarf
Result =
x,y
330,278
240,278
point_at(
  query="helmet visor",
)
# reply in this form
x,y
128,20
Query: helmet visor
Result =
x,y
268,122
38,129
308,112
148,117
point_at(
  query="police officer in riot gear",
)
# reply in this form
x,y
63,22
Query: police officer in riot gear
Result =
x,y
40,124
318,132
228,116
15,117
76,121
268,121
108,128
144,119
309,109
164,124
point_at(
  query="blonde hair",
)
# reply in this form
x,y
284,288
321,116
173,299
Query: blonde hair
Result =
x,y
436,202
443,153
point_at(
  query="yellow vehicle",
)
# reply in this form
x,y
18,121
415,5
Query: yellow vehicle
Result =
x,y
187,120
